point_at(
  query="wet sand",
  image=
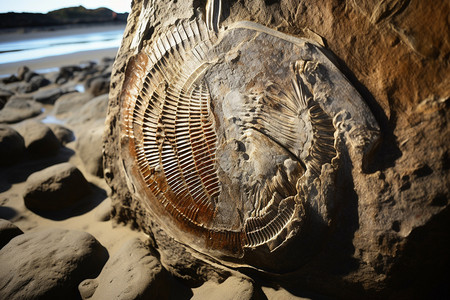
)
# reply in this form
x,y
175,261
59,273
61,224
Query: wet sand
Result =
x,y
59,60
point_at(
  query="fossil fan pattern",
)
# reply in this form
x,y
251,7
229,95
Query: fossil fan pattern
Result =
x,y
218,156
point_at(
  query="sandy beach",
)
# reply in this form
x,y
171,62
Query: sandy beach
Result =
x,y
71,121
52,62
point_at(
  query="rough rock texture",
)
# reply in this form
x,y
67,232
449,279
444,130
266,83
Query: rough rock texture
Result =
x,y
49,264
390,234
132,273
40,141
12,146
7,232
55,188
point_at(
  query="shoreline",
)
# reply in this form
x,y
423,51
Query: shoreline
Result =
x,y
53,62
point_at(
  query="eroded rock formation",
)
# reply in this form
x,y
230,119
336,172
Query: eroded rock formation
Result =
x,y
312,140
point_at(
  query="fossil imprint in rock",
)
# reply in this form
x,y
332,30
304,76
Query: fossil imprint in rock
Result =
x,y
222,129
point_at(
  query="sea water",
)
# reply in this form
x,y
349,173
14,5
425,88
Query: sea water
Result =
x,y
45,46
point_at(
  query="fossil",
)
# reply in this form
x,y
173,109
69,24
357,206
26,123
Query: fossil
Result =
x,y
222,128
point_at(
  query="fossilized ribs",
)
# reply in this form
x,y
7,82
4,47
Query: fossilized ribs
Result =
x,y
216,155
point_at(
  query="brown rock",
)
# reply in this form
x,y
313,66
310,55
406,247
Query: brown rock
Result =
x,y
55,188
390,231
49,264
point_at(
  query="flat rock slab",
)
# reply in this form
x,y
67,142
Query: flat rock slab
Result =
x,y
49,264
55,188
132,273
12,145
7,232
40,140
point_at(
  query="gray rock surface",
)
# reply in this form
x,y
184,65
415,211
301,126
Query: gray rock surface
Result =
x,y
12,145
49,264
7,232
132,273
55,188
40,141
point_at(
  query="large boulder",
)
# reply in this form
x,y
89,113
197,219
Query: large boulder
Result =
x,y
49,264
132,273
12,145
55,188
387,230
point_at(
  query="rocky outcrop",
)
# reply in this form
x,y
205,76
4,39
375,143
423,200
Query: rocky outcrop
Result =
x,y
387,231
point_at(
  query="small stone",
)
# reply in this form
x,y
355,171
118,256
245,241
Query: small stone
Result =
x,y
132,273
19,108
22,71
40,140
7,232
49,264
12,145
48,96
63,134
10,79
54,188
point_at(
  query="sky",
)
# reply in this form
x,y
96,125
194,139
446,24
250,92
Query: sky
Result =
x,y
45,6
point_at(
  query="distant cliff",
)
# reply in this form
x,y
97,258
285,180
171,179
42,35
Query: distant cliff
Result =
x,y
64,16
